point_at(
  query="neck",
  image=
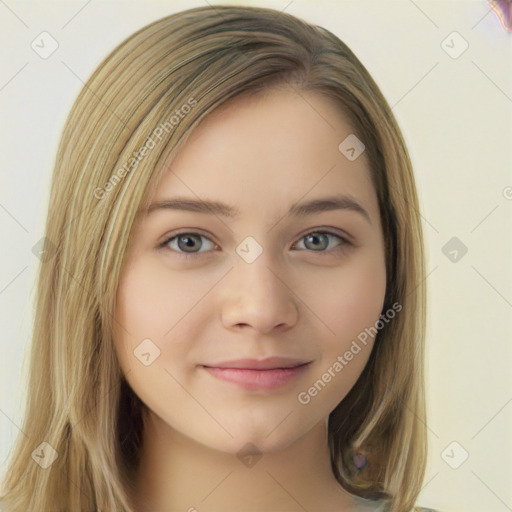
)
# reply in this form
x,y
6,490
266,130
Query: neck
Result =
x,y
179,473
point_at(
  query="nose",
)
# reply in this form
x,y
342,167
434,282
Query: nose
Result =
x,y
258,297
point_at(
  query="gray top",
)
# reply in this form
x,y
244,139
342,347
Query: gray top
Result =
x,y
365,505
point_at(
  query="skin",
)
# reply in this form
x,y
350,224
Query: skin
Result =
x,y
297,299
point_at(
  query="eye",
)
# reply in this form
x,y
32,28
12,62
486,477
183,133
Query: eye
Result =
x,y
316,241
187,244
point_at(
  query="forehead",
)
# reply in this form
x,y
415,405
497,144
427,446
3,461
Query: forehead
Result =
x,y
268,151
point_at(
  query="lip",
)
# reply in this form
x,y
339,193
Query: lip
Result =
x,y
252,374
269,363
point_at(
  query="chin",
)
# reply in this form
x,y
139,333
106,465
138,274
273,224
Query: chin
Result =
x,y
264,438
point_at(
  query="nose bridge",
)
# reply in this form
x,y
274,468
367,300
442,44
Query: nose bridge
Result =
x,y
258,263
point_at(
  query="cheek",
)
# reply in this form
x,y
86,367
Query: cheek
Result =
x,y
349,305
136,301
361,301
139,311
158,305
150,301
350,299
149,307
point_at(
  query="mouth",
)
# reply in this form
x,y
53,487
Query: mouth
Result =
x,y
258,375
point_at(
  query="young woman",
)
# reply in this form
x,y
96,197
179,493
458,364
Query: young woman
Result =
x,y
230,312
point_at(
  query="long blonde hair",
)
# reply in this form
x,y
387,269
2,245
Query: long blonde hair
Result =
x,y
151,92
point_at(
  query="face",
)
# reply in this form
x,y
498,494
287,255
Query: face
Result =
x,y
244,327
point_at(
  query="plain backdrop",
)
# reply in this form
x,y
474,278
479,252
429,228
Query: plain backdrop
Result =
x,y
445,68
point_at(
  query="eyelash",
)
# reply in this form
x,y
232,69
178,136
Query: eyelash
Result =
x,y
340,248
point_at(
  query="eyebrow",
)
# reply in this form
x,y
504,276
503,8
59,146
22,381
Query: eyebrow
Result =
x,y
343,202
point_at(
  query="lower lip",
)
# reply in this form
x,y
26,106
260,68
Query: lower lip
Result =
x,y
257,379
